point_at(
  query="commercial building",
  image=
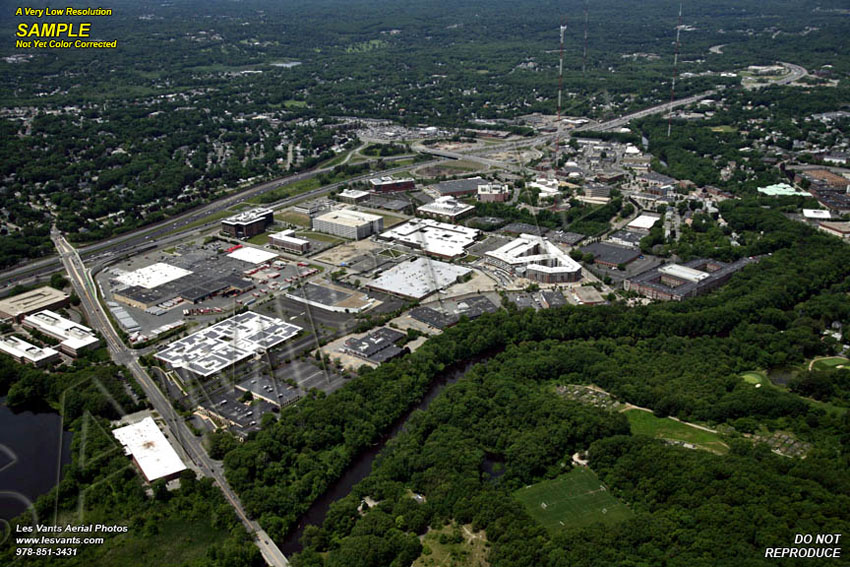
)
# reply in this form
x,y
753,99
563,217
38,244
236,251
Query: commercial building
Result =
x,y
150,450
839,229
434,238
27,353
288,242
643,223
782,190
353,196
459,187
252,255
611,256
535,258
74,338
817,214
226,343
388,184
248,223
418,278
19,306
626,238
349,224
494,193
445,208
378,346
675,282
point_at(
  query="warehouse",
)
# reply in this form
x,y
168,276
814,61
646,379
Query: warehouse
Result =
x,y
248,223
611,256
27,353
33,301
349,224
224,344
535,258
675,282
388,184
74,338
288,242
643,223
152,276
252,255
418,278
150,450
354,196
445,208
839,229
459,187
434,238
378,346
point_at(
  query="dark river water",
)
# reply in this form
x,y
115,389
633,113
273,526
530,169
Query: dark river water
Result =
x,y
33,449
362,465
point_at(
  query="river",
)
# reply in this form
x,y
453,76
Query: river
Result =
x,y
33,451
362,464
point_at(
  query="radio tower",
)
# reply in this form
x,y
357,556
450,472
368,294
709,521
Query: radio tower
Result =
x,y
560,95
584,55
675,74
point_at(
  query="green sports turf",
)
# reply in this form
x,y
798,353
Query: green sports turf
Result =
x,y
827,363
645,423
572,500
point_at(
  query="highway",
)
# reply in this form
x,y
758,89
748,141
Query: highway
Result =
x,y
85,288
623,120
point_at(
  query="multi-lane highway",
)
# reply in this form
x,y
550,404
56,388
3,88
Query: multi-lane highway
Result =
x,y
176,428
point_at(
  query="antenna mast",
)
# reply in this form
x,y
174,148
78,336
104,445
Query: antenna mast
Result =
x,y
584,55
675,74
560,95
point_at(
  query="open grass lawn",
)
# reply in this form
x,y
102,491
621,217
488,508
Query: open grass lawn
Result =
x,y
572,500
260,239
441,548
754,377
644,423
177,541
390,220
829,363
200,222
293,218
321,237
725,128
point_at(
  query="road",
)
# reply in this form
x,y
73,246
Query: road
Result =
x,y
191,445
623,120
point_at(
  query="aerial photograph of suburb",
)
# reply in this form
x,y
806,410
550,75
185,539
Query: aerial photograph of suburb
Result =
x,y
425,283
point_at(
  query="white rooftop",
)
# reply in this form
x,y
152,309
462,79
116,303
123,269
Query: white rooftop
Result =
x,y
288,236
493,189
354,193
684,272
22,349
643,222
816,214
150,449
446,206
419,278
534,251
546,186
153,276
72,335
348,217
228,342
252,255
781,190
443,239
249,216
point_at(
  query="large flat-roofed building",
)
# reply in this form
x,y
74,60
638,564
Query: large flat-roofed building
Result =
x,y
248,223
150,450
445,208
459,186
288,242
354,196
643,223
418,278
434,238
19,306
675,282
27,353
251,255
388,184
609,255
226,343
535,258
494,193
349,224
74,338
378,346
839,229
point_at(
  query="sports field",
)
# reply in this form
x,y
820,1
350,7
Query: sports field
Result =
x,y
754,377
572,500
645,423
829,363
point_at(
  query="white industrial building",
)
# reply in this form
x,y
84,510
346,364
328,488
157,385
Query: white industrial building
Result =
x,y
25,352
494,193
152,276
418,278
818,214
151,451
547,187
434,238
287,241
252,255
224,344
349,224
643,223
535,258
445,208
74,338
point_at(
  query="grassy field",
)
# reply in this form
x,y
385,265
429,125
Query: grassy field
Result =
x,y
829,363
390,220
293,218
725,128
295,103
754,377
644,423
260,239
321,237
200,222
176,542
286,191
441,548
572,500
